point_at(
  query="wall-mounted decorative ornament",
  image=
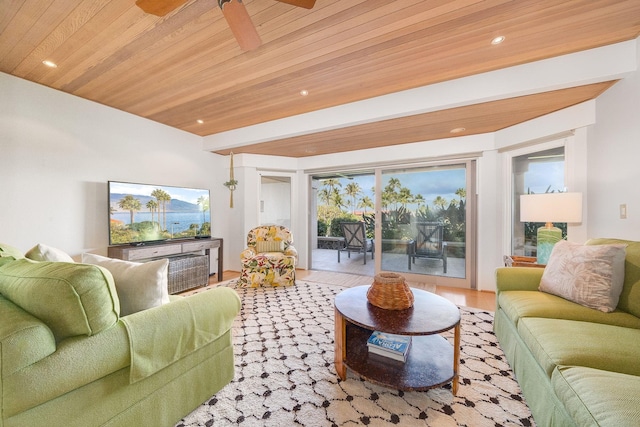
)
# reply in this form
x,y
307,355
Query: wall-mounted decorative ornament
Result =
x,y
232,183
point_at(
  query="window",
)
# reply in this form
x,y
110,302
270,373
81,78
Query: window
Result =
x,y
534,173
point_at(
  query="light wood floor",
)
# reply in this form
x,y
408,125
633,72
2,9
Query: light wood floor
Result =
x,y
462,297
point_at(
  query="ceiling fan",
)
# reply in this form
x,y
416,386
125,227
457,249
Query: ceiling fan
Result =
x,y
234,12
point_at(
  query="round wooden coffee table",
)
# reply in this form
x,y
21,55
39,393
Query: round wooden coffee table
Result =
x,y
431,362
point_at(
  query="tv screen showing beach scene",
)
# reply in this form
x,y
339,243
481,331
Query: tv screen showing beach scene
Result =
x,y
144,213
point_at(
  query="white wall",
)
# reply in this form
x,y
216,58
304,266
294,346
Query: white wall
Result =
x,y
614,162
57,153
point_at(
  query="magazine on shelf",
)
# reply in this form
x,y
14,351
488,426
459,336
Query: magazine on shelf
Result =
x,y
389,345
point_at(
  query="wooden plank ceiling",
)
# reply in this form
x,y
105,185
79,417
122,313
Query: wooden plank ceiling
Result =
x,y
187,66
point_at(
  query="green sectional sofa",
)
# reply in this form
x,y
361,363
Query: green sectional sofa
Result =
x,y
577,366
67,358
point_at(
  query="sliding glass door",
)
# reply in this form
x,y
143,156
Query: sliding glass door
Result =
x,y
425,222
419,217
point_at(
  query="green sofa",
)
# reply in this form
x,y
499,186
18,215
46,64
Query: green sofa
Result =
x,y
577,366
68,359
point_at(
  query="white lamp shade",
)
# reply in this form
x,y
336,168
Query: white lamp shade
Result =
x,y
551,207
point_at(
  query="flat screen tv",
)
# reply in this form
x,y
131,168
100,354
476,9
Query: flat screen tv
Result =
x,y
144,213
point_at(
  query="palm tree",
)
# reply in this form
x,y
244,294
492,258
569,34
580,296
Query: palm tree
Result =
x,y
386,200
324,195
331,188
337,200
131,204
419,200
440,202
365,203
152,205
462,193
163,197
352,190
391,192
394,184
203,202
405,197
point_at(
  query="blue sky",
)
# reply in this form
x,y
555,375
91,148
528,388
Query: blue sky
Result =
x,y
433,183
190,195
542,175
445,181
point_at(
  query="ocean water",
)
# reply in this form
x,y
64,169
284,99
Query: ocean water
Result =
x,y
176,221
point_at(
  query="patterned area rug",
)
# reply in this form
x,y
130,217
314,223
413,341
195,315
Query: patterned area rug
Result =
x,y
283,341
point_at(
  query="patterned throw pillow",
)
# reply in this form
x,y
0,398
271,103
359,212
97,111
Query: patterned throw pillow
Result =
x,y
270,246
592,276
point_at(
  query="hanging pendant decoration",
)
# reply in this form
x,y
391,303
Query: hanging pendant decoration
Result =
x,y
232,183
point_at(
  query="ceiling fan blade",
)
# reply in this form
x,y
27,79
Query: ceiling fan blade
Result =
x,y
307,4
159,7
240,24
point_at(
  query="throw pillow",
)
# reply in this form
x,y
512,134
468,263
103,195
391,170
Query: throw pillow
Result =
x,y
42,252
592,276
139,285
270,246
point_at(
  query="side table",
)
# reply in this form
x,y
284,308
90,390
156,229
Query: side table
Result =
x,y
431,362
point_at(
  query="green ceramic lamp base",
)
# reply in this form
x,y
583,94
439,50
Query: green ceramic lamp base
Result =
x,y
548,236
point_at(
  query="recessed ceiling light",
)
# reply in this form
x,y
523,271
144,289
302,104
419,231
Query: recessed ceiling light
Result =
x,y
50,64
497,40
304,92
200,121
457,130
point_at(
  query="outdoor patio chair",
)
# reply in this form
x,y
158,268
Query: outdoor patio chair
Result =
x,y
428,243
355,240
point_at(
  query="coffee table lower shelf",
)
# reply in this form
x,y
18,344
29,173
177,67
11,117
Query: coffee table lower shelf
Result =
x,y
429,362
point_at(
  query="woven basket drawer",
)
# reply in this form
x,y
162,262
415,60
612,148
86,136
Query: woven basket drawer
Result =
x,y
188,271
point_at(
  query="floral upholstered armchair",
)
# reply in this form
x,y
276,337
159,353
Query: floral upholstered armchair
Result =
x,y
270,258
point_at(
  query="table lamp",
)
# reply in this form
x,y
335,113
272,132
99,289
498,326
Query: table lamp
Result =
x,y
550,208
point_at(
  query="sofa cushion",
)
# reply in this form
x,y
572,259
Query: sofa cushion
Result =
x,y
520,304
589,275
7,251
596,397
630,296
42,252
140,286
24,339
555,342
71,299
